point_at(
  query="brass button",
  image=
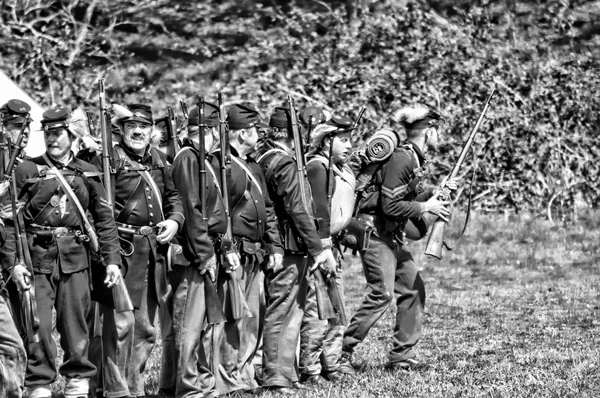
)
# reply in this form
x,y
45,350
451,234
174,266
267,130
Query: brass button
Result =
x,y
151,215
150,223
149,197
150,206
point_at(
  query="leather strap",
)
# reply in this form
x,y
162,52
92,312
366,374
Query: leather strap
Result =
x,y
69,192
132,202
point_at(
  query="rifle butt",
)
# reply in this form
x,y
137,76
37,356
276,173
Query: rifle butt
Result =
x,y
30,317
239,305
214,307
324,302
436,240
337,301
121,298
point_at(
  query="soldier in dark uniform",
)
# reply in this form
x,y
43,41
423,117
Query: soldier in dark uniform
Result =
x,y
286,284
57,234
395,194
194,376
321,340
149,213
13,358
258,243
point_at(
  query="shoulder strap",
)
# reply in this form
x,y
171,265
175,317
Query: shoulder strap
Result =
x,y
248,173
145,174
82,216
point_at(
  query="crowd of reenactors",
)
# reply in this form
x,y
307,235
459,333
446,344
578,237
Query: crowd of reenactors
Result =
x,y
229,245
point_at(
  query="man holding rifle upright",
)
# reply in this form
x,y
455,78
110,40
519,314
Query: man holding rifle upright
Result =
x,y
332,184
389,195
60,192
286,282
256,239
199,190
149,213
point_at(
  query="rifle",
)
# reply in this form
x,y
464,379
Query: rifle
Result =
x,y
237,297
184,109
172,142
436,237
90,124
336,299
29,310
214,310
121,298
324,305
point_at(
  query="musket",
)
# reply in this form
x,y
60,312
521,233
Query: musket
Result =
x,y
436,237
172,142
184,109
324,306
334,294
3,147
239,306
29,310
214,309
121,298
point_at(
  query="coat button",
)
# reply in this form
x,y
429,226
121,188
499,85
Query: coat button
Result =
x,y
149,197
150,206
151,215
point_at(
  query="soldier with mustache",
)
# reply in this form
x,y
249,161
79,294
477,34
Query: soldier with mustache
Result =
x,y
149,213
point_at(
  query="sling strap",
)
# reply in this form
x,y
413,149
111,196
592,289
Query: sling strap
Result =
x,y
90,232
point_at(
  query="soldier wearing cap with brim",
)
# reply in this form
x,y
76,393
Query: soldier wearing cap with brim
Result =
x,y
256,239
321,340
393,194
12,352
187,348
149,213
287,283
60,193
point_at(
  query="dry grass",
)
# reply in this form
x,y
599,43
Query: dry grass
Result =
x,y
512,312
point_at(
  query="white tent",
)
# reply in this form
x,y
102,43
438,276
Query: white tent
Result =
x,y
9,90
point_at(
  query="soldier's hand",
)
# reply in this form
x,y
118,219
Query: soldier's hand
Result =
x,y
168,229
437,207
450,183
3,188
22,277
275,262
233,261
209,266
329,266
113,275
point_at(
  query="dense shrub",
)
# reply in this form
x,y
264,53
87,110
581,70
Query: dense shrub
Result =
x,y
538,136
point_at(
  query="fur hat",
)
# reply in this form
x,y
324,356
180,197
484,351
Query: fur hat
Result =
x,y
418,116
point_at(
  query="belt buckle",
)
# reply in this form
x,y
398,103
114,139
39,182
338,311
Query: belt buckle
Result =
x,y
146,230
60,232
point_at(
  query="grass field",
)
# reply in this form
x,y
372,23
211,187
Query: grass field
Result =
x,y
514,311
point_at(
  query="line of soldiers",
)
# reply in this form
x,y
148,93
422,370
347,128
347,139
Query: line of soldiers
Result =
x,y
169,238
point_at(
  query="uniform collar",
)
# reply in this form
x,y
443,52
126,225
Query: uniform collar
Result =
x,y
134,156
418,152
59,164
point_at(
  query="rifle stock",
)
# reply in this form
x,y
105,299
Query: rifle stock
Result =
x,y
214,310
121,299
237,298
436,237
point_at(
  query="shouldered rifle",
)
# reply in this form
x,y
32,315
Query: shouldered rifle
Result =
x,y
172,142
237,297
214,309
436,237
184,110
336,299
29,310
324,305
121,298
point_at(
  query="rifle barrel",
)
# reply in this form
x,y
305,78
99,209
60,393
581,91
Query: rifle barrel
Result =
x,y
106,142
225,162
467,145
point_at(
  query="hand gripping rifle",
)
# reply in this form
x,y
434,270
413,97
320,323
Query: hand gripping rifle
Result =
x,y
237,297
214,309
324,303
121,298
30,316
436,237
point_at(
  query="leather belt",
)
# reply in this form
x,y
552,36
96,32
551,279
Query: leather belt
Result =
x,y
144,230
43,230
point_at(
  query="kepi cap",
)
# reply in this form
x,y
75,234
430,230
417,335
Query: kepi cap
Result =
x,y
242,116
56,118
211,115
15,111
